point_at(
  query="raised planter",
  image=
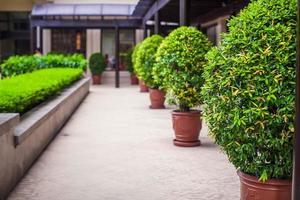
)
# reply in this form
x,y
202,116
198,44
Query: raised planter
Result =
x,y
273,189
23,139
187,127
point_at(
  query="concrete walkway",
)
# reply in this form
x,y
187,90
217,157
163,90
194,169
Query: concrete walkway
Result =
x,y
115,148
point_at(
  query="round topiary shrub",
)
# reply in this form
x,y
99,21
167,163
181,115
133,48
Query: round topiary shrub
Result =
x,y
97,63
249,89
180,59
145,60
134,56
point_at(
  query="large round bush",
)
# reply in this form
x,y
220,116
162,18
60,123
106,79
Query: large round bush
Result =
x,y
249,89
180,59
97,63
145,60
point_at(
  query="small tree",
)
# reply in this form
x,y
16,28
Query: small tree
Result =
x,y
97,63
145,59
180,59
249,89
134,56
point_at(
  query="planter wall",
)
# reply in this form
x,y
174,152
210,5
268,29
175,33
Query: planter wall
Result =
x,y
23,139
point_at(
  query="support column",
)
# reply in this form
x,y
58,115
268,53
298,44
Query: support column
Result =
x,y
117,77
38,37
184,6
157,23
41,40
296,168
32,39
145,30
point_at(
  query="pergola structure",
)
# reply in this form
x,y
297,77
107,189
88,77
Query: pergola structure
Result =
x,y
83,16
165,15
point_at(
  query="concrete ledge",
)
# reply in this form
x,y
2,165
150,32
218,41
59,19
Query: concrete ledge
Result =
x,y
23,140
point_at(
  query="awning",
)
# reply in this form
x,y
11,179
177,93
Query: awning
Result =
x,y
82,10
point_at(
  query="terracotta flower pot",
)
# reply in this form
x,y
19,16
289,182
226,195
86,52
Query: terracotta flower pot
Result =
x,y
143,87
273,189
187,126
96,79
157,98
134,79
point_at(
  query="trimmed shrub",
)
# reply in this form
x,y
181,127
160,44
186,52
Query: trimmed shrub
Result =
x,y
180,59
250,86
16,65
97,63
134,56
21,93
145,59
128,61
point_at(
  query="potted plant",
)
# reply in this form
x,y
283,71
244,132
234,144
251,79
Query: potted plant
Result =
x,y
143,87
249,93
145,62
97,66
129,64
181,57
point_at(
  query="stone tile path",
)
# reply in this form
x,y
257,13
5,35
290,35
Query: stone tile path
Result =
x,y
115,148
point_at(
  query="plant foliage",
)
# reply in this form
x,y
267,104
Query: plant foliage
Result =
x,y
97,63
180,60
16,65
128,61
146,60
250,89
134,56
21,93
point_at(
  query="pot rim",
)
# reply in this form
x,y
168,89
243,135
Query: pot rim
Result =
x,y
254,179
191,112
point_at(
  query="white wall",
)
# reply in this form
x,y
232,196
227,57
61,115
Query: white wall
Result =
x,y
93,41
139,35
46,41
220,26
96,1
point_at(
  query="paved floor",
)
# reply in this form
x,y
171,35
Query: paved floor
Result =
x,y
115,148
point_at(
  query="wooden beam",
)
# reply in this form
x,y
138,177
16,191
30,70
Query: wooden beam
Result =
x,y
159,4
156,23
60,23
296,167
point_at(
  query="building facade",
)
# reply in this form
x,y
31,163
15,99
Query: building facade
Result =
x,y
17,37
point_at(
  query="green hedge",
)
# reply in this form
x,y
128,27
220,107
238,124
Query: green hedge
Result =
x,y
21,93
16,65
250,87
